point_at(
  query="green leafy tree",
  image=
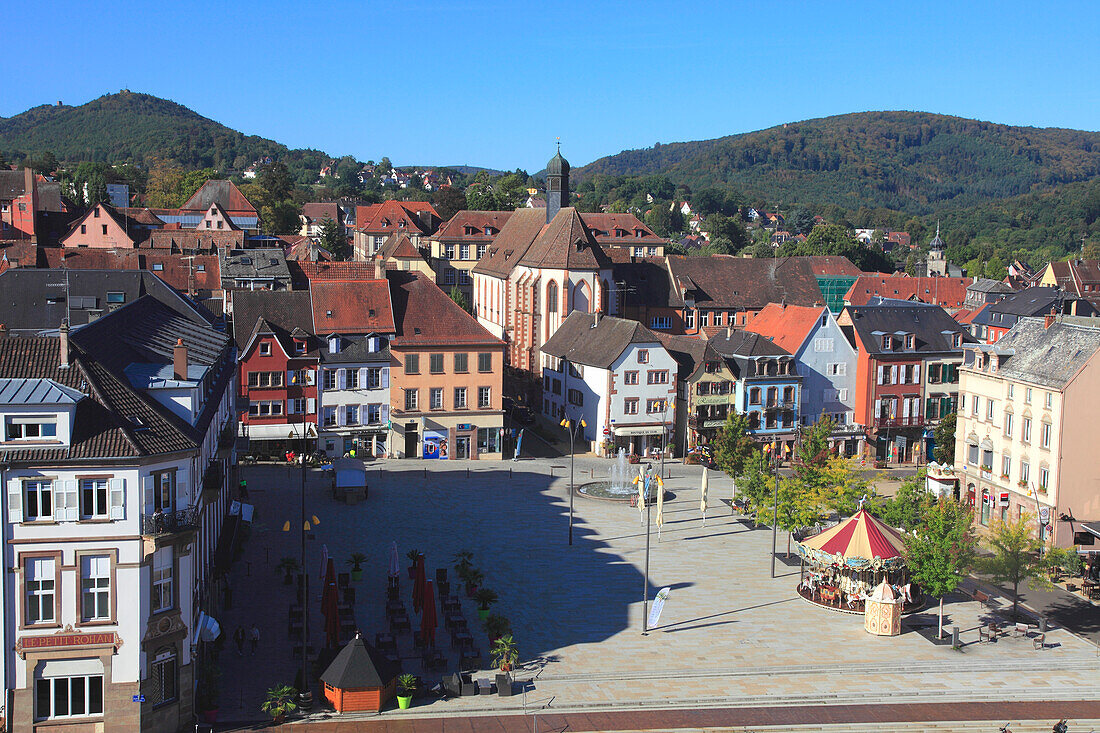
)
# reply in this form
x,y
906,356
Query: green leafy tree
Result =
x,y
733,446
844,485
812,455
280,218
909,504
941,550
762,250
45,164
755,485
801,221
722,226
335,241
448,201
1016,556
275,179
459,298
944,438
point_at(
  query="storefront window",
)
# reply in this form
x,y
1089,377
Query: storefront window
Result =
x,y
488,440
985,508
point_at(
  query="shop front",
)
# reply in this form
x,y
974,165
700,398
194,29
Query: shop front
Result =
x,y
639,440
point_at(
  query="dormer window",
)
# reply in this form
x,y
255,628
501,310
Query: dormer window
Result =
x,y
909,342
887,343
638,233
334,345
299,346
488,231
30,427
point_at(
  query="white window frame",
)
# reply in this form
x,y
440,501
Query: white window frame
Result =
x,y
162,596
53,683
40,591
95,587
484,397
99,489
35,493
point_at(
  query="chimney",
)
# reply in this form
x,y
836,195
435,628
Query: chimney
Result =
x,y
63,334
3,331
28,180
595,318
729,332
1048,321
379,269
179,360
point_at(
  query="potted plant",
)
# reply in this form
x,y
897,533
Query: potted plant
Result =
x,y
485,597
413,556
496,626
406,687
633,458
463,560
472,578
207,697
504,655
279,702
289,566
356,561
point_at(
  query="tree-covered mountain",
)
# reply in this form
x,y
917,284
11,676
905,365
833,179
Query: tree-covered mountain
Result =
x,y
912,162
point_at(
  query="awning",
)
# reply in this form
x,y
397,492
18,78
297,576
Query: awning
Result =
x,y
638,430
279,432
1091,527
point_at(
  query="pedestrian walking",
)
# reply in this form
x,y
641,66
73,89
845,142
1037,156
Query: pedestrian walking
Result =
x,y
255,638
238,639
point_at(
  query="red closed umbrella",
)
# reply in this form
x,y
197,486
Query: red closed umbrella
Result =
x,y
418,584
428,621
329,607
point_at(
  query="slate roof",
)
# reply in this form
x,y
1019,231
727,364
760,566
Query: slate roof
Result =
x,y
348,307
254,263
688,351
745,343
37,392
989,285
949,292
583,340
223,193
281,311
355,349
359,665
454,230
33,300
786,326
739,283
193,240
1047,356
1036,302
932,328
424,315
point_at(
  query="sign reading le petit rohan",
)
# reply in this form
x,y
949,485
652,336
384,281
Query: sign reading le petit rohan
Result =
x,y
67,640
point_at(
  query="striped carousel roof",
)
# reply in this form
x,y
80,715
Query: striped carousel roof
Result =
x,y
859,537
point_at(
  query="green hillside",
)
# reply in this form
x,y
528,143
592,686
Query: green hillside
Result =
x,y
141,129
913,162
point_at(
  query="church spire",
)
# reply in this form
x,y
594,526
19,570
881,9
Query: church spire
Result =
x,y
557,184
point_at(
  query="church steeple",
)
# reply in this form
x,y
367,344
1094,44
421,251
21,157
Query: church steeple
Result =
x,y
557,184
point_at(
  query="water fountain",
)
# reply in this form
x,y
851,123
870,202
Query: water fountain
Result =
x,y
619,485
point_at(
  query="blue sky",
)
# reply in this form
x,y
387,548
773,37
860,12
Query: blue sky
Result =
x,y
493,84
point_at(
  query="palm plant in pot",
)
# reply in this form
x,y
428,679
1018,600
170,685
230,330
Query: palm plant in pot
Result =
x,y
207,697
278,702
485,597
504,655
406,688
356,561
289,566
497,626
472,578
413,556
463,560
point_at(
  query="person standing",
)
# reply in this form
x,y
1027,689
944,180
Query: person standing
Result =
x,y
238,639
255,638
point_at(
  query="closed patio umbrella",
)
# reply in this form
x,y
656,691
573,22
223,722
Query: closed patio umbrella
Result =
x,y
642,498
418,584
703,495
395,569
329,607
428,620
660,505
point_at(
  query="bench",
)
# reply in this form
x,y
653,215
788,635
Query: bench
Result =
x,y
986,634
983,598
1039,641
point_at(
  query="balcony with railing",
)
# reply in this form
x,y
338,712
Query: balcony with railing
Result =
x,y
166,523
899,422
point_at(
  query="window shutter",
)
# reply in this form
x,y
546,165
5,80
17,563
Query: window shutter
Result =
x,y
311,377
72,502
878,408
916,374
881,374
183,488
147,488
311,405
384,412
385,377
290,376
363,377
341,379
341,414
117,489
15,501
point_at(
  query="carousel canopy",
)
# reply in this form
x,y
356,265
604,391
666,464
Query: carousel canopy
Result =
x,y
859,540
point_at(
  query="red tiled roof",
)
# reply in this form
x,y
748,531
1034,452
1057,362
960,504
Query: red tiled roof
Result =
x,y
351,307
426,316
833,265
786,326
627,222
399,215
314,271
948,292
223,193
455,228
184,273
318,212
967,315
399,245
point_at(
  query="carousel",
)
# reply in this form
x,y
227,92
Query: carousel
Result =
x,y
845,564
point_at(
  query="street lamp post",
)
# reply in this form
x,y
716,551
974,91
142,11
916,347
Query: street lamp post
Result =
x,y
305,695
775,505
572,429
645,493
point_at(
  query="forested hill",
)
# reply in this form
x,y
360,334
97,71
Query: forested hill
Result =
x,y
142,129
914,162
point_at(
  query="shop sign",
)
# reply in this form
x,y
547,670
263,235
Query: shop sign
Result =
x,y
1044,515
67,640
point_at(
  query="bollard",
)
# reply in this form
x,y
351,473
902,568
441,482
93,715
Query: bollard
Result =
x,y
1042,624
955,637
425,472
467,472
509,472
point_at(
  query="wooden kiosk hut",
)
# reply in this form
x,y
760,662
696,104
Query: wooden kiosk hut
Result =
x,y
360,678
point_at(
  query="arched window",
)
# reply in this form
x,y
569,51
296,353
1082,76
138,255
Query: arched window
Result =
x,y
552,297
582,299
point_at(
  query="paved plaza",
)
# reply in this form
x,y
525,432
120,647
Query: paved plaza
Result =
x,y
730,636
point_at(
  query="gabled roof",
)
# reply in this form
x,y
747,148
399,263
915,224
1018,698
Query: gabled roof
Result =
x,y
424,315
731,343
584,339
392,215
786,326
304,272
833,265
1047,356
192,240
282,311
351,307
136,231
455,228
604,227
398,245
318,212
512,243
988,285
688,351
37,392
738,283
1037,301
949,292
932,328
223,193
566,243
142,216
